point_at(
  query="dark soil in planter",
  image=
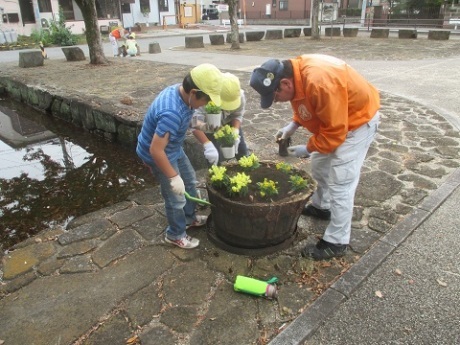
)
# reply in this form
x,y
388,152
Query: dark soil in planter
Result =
x,y
269,171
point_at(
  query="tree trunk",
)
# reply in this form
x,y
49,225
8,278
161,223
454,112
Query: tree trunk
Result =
x,y
314,20
93,36
234,33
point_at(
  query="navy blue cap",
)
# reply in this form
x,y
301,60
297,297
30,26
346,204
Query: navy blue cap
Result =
x,y
265,80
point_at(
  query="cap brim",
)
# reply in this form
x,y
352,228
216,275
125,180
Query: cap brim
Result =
x,y
266,100
233,105
216,99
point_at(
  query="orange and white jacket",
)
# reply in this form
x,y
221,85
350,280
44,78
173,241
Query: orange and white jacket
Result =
x,y
330,100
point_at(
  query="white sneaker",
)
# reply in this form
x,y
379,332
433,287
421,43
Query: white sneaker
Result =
x,y
186,242
198,222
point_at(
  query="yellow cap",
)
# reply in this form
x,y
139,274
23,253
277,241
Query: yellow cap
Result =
x,y
208,78
230,94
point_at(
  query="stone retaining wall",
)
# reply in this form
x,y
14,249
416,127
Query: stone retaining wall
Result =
x,y
101,120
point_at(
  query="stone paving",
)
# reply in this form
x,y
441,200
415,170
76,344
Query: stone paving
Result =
x,y
110,278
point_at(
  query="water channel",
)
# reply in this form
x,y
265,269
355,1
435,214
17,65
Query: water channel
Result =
x,y
51,172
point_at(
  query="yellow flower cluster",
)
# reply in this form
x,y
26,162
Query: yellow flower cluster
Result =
x,y
218,175
284,167
249,162
226,136
239,184
267,188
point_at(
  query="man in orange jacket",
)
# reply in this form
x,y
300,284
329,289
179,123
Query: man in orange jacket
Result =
x,y
114,36
340,108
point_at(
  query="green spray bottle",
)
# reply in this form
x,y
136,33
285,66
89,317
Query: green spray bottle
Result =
x,y
256,287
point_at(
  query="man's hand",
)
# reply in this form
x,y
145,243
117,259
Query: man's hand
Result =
x,y
298,151
286,131
211,153
177,185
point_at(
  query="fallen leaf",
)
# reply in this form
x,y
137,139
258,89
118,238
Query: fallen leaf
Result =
x,y
398,272
379,294
132,340
440,282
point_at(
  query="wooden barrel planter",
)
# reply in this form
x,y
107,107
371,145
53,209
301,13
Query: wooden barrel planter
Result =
x,y
252,226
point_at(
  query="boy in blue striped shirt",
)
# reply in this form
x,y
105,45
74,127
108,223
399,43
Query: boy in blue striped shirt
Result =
x,y
160,147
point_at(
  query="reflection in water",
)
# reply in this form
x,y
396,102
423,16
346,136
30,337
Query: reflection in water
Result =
x,y
51,172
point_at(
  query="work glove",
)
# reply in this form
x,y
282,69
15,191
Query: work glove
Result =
x,y
177,185
211,153
237,140
287,131
299,151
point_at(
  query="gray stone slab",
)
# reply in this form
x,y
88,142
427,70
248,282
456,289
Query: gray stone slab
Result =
x,y
217,39
194,42
31,59
116,247
254,35
154,48
380,33
407,33
439,35
73,53
143,305
129,216
274,34
66,306
334,31
86,231
230,319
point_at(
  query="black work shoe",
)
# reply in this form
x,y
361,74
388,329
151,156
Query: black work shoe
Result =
x,y
324,250
312,211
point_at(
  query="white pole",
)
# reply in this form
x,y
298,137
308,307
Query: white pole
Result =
x,y
363,13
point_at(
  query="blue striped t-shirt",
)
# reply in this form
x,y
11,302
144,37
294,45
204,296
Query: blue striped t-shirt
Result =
x,y
167,113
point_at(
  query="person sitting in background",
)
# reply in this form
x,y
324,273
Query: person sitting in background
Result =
x,y
131,45
233,108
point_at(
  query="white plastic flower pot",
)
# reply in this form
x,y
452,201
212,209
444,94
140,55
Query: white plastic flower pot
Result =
x,y
228,152
213,121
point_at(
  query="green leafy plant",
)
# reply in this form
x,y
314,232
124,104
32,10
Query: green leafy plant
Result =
x,y
298,183
267,188
226,136
212,108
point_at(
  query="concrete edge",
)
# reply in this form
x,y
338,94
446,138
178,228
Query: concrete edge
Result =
x,y
317,313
